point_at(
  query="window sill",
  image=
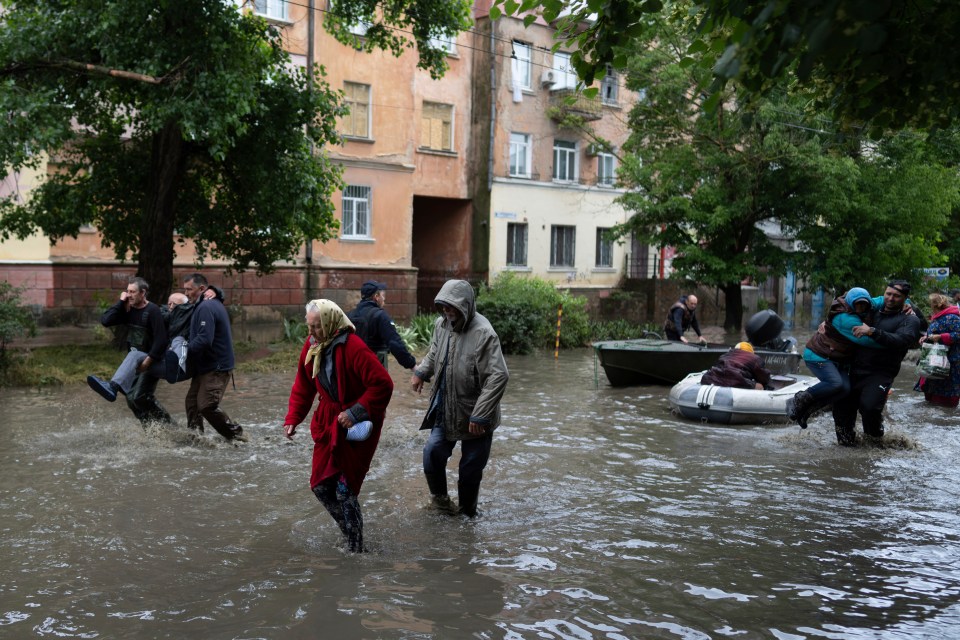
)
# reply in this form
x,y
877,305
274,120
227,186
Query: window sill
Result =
x,y
357,239
603,270
437,152
358,139
512,267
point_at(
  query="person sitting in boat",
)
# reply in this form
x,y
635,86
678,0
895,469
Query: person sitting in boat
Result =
x,y
740,368
829,351
683,316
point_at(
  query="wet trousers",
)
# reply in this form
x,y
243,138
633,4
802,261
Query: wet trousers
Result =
x,y
474,454
868,395
143,402
344,508
203,401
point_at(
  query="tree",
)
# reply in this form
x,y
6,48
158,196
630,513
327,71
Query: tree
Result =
x,y
712,182
889,64
164,117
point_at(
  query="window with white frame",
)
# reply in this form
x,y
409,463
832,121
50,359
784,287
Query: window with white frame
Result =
x,y
563,245
606,169
359,28
436,126
566,77
604,249
564,161
276,9
609,87
357,99
356,212
524,64
445,43
516,244
520,155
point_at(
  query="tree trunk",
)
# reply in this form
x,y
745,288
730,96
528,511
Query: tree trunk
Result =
x,y
167,165
733,314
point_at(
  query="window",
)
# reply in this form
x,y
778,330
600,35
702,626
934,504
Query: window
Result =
x,y
604,249
606,169
436,126
563,243
516,244
524,65
356,212
276,9
566,77
357,99
564,161
445,43
520,155
609,87
358,28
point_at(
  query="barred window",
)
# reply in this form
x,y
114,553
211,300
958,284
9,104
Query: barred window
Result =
x,y
563,244
356,212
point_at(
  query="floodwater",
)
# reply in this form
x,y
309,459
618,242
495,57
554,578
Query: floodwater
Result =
x,y
604,517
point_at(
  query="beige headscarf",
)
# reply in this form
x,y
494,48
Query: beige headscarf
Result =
x,y
332,321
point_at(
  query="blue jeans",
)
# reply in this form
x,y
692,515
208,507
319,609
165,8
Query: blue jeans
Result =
x,y
474,454
834,382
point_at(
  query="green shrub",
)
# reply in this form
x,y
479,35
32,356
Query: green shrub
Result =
x,y
621,329
15,318
418,333
295,331
523,310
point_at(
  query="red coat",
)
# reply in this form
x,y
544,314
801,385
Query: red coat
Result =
x,y
361,379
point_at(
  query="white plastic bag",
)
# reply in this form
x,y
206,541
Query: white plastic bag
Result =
x,y
933,363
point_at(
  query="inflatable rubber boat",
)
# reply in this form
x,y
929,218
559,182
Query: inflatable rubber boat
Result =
x,y
727,405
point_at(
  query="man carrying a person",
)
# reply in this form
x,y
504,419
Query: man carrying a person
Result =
x,y
146,333
872,371
376,328
682,316
211,359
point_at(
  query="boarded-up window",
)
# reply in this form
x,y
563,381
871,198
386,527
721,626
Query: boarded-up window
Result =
x,y
436,126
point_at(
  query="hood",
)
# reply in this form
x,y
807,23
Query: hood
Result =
x,y
459,295
857,293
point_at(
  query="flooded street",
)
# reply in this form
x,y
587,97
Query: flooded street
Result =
x,y
605,516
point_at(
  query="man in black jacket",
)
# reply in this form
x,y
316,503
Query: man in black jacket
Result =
x,y
375,327
146,332
873,370
210,357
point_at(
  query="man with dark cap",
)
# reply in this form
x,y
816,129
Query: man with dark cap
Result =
x,y
895,329
376,328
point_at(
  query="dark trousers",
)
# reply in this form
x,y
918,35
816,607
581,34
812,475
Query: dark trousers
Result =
x,y
344,508
203,401
143,402
474,454
868,395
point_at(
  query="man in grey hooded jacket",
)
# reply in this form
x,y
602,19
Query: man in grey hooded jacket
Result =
x,y
472,375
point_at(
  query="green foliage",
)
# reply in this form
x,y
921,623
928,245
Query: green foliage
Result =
x,y
898,56
524,313
295,331
171,120
621,329
16,320
418,334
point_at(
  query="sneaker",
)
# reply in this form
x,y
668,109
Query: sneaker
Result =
x,y
106,389
240,437
360,431
444,505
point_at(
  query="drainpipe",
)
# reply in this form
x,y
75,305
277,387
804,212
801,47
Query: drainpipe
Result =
x,y
311,27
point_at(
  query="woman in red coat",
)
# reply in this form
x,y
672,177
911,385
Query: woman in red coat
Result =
x,y
354,388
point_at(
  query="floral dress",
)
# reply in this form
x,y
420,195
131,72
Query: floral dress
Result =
x,y
946,392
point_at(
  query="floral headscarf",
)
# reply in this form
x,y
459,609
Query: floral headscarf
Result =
x,y
332,321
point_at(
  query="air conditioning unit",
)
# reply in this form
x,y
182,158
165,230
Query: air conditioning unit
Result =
x,y
594,149
548,78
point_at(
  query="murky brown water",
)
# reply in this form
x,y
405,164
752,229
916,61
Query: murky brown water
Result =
x,y
605,517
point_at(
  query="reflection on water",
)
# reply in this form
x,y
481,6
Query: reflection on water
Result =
x,y
604,517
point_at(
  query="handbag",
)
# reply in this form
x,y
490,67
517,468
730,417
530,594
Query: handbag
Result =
x,y
933,363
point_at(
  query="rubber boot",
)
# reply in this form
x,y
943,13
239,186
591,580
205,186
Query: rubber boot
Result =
x,y
437,483
467,495
803,405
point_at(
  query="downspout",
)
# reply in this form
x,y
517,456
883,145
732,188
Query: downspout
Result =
x,y
311,26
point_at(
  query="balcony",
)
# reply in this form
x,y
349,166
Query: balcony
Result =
x,y
569,102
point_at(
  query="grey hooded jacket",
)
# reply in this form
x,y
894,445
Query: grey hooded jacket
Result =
x,y
476,374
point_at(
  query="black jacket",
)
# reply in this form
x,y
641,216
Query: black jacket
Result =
x,y
146,330
377,330
210,347
896,333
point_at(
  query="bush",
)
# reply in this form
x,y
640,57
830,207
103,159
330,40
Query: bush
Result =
x,y
621,329
419,332
15,318
523,311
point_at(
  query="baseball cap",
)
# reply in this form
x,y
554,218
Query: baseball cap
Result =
x,y
370,287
